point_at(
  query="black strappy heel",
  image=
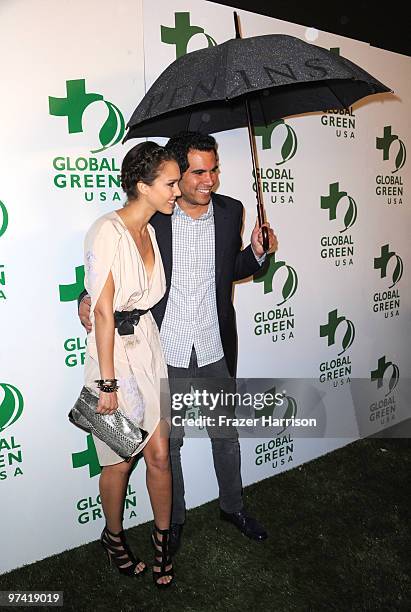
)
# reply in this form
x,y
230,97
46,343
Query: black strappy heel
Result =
x,y
119,553
162,561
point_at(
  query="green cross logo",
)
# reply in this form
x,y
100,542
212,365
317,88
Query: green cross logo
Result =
x,y
4,219
269,410
331,202
70,293
289,146
384,144
73,107
87,457
328,331
266,276
11,405
381,263
182,33
378,374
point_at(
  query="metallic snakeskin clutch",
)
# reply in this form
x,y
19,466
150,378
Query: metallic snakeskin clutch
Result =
x,y
116,430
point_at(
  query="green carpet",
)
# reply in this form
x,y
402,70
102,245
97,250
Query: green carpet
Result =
x,y
339,540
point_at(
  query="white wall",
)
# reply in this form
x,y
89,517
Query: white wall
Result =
x,y
53,505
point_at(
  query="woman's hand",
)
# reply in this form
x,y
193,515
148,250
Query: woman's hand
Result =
x,y
107,403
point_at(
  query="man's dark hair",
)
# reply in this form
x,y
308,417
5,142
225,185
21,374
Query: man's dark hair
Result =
x,y
183,142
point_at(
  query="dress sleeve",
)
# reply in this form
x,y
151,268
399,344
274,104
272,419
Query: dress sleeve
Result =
x,y
100,248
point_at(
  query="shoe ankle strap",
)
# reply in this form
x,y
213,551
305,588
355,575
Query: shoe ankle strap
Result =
x,y
161,531
115,535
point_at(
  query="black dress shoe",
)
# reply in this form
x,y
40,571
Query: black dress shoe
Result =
x,y
246,524
174,538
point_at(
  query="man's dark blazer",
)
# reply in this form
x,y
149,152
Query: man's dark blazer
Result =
x,y
231,264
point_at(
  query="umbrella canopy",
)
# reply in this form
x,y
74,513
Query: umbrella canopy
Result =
x,y
279,75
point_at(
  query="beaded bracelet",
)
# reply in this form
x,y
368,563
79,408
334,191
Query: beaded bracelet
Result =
x,y
107,385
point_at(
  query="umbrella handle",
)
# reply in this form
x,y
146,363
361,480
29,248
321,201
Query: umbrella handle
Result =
x,y
260,217
253,147
237,25
266,242
258,190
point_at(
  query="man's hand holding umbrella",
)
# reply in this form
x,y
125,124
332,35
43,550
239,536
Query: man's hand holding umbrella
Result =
x,y
257,240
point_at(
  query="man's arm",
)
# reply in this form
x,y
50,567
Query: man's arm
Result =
x,y
250,260
84,303
82,295
246,264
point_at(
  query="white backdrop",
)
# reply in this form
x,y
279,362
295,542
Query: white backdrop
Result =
x,y
60,158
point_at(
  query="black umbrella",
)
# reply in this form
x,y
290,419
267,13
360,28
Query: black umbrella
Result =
x,y
245,82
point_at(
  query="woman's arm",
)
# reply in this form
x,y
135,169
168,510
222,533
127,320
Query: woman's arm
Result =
x,y
104,329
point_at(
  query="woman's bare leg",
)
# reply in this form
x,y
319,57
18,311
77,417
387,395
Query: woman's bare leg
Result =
x,y
159,485
113,485
157,458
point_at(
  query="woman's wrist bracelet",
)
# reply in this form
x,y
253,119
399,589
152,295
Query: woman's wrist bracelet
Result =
x,y
107,385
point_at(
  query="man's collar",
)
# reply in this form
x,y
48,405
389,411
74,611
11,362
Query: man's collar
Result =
x,y
179,212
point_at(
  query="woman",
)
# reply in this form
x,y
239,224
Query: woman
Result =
x,y
124,272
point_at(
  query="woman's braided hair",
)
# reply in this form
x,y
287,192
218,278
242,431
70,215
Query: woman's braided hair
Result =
x,y
142,163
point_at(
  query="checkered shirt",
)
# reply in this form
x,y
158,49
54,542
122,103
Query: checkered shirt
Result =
x,y
191,314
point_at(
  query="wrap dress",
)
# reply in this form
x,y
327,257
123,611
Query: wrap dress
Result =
x,y
139,362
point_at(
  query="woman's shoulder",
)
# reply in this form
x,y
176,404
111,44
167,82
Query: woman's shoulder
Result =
x,y
107,225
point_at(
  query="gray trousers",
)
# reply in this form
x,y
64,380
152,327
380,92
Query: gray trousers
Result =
x,y
224,441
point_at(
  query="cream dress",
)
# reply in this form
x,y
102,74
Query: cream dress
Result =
x,y
138,359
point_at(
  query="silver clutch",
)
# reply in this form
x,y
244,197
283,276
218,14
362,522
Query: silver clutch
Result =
x,y
116,430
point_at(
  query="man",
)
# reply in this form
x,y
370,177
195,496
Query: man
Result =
x,y
200,244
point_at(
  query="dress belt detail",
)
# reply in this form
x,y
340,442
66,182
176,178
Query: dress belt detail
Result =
x,y
126,320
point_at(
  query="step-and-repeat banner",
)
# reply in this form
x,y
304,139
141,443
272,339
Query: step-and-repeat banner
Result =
x,y
330,317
